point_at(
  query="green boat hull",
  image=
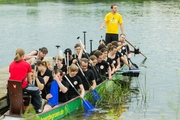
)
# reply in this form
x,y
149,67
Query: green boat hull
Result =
x,y
68,107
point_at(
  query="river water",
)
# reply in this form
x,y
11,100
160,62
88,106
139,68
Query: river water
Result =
x,y
153,26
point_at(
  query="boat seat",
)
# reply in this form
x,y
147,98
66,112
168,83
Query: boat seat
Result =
x,y
15,97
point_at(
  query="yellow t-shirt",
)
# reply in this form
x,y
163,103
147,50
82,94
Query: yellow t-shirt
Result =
x,y
112,22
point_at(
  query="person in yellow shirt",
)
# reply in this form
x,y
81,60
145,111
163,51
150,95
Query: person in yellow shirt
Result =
x,y
112,20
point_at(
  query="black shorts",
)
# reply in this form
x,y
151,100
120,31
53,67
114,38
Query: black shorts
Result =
x,y
111,37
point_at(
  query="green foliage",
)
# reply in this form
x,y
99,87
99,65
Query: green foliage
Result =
x,y
113,95
30,113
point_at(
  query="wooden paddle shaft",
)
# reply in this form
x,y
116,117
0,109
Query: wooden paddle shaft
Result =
x,y
135,47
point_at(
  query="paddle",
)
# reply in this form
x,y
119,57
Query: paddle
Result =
x,y
35,67
133,65
135,48
84,38
94,69
57,46
90,45
96,96
86,103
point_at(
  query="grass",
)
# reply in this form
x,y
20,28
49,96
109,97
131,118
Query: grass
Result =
x,y
174,104
30,113
114,97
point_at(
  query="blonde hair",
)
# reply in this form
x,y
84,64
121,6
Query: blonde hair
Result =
x,y
60,58
19,53
72,68
43,63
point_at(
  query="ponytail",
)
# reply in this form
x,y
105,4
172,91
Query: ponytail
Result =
x,y
19,53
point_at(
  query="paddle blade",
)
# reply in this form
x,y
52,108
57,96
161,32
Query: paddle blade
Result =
x,y
96,96
87,105
133,65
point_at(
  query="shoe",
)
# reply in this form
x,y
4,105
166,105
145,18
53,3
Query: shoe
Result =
x,y
39,111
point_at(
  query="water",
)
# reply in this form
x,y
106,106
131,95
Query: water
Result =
x,y
151,25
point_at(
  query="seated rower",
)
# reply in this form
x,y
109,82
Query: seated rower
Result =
x,y
124,47
113,55
79,52
122,55
60,66
102,66
68,59
39,81
32,56
20,70
109,60
88,80
46,74
58,91
92,66
76,81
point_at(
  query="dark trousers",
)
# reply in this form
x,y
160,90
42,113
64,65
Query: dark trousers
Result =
x,y
35,100
111,37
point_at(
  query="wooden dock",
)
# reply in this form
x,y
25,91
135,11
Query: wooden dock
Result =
x,y
4,75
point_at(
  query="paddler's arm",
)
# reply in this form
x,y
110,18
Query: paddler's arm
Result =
x,y
122,28
109,73
81,52
30,55
113,68
46,78
61,86
118,64
93,84
39,84
82,91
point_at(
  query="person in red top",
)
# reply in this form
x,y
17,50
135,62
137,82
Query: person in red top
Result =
x,y
20,70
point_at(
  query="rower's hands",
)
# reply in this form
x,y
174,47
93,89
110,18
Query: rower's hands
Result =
x,y
74,61
48,96
110,77
81,96
91,88
101,28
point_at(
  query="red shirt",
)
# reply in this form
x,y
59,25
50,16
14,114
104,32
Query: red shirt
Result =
x,y
19,71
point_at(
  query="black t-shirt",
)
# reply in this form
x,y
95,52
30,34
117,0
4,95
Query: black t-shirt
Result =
x,y
70,61
75,56
48,84
102,67
96,74
63,97
125,49
115,59
109,61
76,81
64,68
41,80
89,76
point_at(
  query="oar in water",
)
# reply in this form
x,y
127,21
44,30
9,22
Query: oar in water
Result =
x,y
86,103
96,96
133,65
135,48
142,63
